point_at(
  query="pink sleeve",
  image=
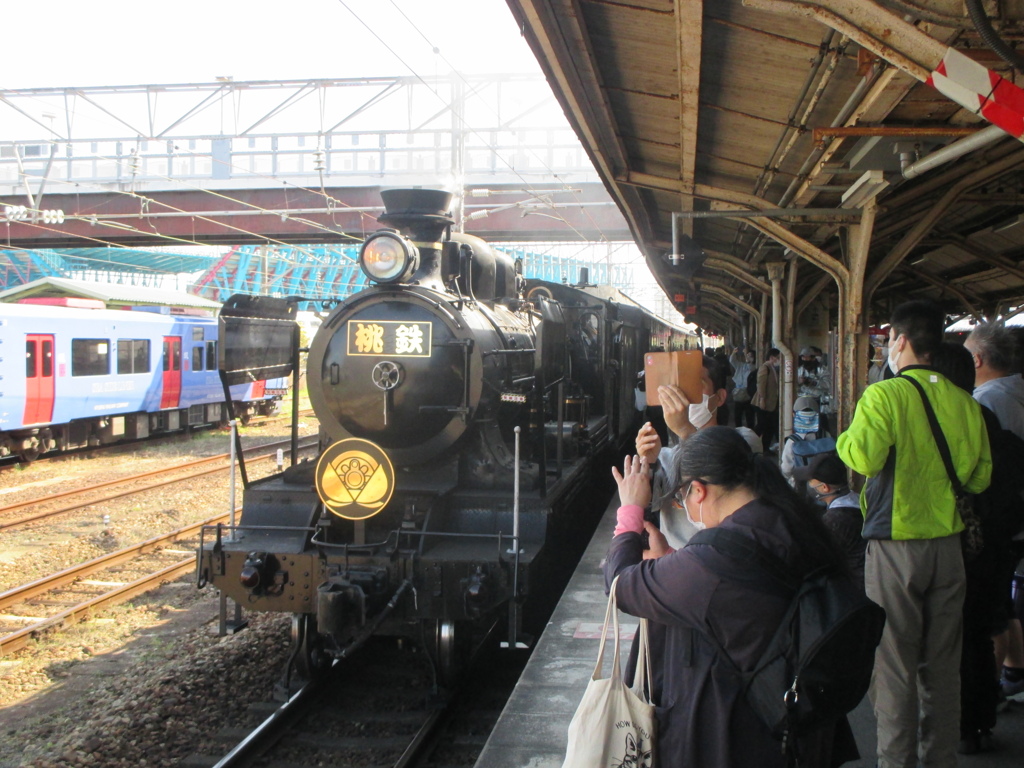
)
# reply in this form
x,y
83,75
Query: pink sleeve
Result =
x,y
629,518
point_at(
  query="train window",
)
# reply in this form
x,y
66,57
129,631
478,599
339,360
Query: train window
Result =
x,y
197,359
30,359
47,358
172,354
140,356
90,357
211,355
133,355
197,334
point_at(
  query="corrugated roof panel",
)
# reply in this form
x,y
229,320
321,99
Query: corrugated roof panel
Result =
x,y
110,293
635,48
754,67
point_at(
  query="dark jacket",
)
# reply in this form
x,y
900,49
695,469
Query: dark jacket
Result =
x,y
703,717
844,519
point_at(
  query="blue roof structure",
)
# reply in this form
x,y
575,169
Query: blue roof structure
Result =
x,y
147,267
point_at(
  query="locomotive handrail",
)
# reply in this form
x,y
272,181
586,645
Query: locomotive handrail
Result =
x,y
521,351
234,528
459,409
398,534
555,383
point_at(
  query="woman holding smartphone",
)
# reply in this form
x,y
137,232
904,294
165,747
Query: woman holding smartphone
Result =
x,y
703,716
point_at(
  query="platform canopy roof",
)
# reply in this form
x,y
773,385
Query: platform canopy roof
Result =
x,y
112,294
736,107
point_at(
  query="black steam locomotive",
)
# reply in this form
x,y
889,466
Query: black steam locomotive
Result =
x,y
463,410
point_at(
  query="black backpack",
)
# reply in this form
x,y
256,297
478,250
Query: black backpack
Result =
x,y
1000,506
818,664
752,383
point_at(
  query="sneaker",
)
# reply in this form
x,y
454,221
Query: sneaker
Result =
x,y
1014,691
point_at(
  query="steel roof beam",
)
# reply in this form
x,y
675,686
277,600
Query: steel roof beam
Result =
x,y
880,31
736,268
970,300
689,44
776,231
925,224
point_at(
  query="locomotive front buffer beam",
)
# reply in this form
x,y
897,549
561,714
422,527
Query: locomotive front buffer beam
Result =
x,y
465,578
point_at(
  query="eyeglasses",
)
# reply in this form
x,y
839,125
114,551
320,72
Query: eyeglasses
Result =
x,y
680,495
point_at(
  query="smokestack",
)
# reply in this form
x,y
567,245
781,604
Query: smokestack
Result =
x,y
422,215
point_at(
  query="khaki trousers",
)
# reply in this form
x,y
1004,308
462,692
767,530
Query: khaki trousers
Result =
x,y
915,688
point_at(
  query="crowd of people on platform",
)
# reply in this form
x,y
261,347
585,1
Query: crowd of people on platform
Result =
x,y
933,536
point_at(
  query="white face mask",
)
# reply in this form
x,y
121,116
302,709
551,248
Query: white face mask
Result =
x,y
699,413
698,524
894,361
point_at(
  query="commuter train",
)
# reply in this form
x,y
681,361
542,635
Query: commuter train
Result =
x,y
92,376
463,413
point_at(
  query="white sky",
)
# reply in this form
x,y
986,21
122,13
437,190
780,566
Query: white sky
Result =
x,y
130,42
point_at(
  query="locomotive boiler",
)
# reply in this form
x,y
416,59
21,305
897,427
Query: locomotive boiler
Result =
x,y
462,412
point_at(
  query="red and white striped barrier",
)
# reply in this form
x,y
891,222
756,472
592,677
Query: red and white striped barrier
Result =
x,y
980,90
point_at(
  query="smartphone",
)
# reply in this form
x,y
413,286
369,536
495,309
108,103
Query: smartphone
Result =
x,y
682,368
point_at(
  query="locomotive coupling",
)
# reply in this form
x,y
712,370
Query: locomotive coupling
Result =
x,y
343,600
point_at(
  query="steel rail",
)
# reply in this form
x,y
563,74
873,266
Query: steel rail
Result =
x,y
270,730
69,575
4,525
20,639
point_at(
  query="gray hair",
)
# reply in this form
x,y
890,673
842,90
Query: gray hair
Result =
x,y
994,344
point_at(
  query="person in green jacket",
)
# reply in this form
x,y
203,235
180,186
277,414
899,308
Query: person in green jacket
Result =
x,y
914,566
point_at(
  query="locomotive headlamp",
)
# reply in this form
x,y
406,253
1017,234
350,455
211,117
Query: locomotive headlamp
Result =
x,y
387,257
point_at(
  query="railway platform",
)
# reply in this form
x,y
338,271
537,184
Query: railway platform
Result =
x,y
531,732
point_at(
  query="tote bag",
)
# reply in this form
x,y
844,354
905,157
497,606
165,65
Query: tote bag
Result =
x,y
614,725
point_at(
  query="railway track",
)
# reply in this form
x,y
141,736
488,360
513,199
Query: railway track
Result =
x,y
128,485
378,709
75,593
76,597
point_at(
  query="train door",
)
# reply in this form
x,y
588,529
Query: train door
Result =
x,y
171,393
38,379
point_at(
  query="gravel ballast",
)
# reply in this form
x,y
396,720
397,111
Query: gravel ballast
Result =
x,y
144,683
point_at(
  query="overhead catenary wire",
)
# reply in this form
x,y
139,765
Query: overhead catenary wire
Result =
x,y
455,71
135,230
322,192
459,117
344,205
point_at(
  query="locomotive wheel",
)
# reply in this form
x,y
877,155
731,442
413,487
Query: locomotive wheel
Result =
x,y
28,455
448,646
311,660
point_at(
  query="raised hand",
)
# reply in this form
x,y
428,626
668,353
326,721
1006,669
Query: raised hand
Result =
x,y
676,407
634,482
648,443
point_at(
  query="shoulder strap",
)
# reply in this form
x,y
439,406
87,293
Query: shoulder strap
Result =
x,y
745,549
940,438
